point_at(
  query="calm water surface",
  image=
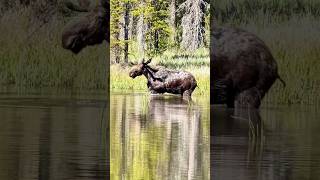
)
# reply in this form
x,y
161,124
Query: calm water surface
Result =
x,y
58,137
274,144
159,137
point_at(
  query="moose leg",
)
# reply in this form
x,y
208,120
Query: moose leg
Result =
x,y
249,98
222,92
187,93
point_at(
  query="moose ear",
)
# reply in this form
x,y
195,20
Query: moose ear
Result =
x,y
149,61
142,61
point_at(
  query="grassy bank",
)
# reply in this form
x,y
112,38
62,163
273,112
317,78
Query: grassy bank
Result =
x,y
197,63
31,55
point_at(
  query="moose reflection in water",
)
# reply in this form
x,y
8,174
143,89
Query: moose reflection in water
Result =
x,y
158,137
270,143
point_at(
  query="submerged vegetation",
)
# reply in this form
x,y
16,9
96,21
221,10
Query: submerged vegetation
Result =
x,y
291,31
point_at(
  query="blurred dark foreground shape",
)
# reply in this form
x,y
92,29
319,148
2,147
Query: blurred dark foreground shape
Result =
x,y
90,29
242,68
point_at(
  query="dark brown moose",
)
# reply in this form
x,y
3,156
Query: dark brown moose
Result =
x,y
90,29
242,68
162,80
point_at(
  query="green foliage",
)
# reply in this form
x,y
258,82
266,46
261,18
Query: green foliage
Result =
x,y
157,36
158,31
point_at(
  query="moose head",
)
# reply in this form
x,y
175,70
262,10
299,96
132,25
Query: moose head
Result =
x,y
139,69
91,29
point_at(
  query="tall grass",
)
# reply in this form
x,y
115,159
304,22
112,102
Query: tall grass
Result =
x,y
31,55
244,11
197,63
295,45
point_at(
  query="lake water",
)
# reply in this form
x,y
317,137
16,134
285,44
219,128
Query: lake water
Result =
x,y
154,137
53,137
274,144
159,137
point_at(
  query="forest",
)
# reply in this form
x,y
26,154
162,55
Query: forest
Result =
x,y
174,33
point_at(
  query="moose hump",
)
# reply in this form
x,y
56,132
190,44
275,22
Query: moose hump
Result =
x,y
242,68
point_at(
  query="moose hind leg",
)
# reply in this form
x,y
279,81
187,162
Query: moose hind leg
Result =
x,y
219,92
249,98
187,93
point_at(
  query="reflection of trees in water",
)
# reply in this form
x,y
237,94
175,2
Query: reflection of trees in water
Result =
x,y
163,138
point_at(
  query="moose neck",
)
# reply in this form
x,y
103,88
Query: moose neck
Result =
x,y
149,74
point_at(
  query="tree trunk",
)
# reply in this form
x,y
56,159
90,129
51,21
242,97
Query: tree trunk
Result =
x,y
126,31
141,33
193,22
172,20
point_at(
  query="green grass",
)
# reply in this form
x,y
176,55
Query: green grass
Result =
x,y
197,63
33,57
244,11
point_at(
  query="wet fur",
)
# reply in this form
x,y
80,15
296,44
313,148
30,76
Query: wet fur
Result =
x,y
242,68
162,80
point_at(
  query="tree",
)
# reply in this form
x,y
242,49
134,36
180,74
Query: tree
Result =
x,y
126,30
172,21
193,24
115,14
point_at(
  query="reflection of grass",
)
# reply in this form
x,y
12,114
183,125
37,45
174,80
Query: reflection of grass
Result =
x,y
196,63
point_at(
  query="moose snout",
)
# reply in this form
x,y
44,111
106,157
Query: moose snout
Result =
x,y
132,75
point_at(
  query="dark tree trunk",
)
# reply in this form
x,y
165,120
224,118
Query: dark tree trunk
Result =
x,y
126,31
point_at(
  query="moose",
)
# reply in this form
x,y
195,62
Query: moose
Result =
x,y
90,29
242,68
162,80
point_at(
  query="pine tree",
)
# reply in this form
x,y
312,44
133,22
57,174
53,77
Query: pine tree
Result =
x,y
193,24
